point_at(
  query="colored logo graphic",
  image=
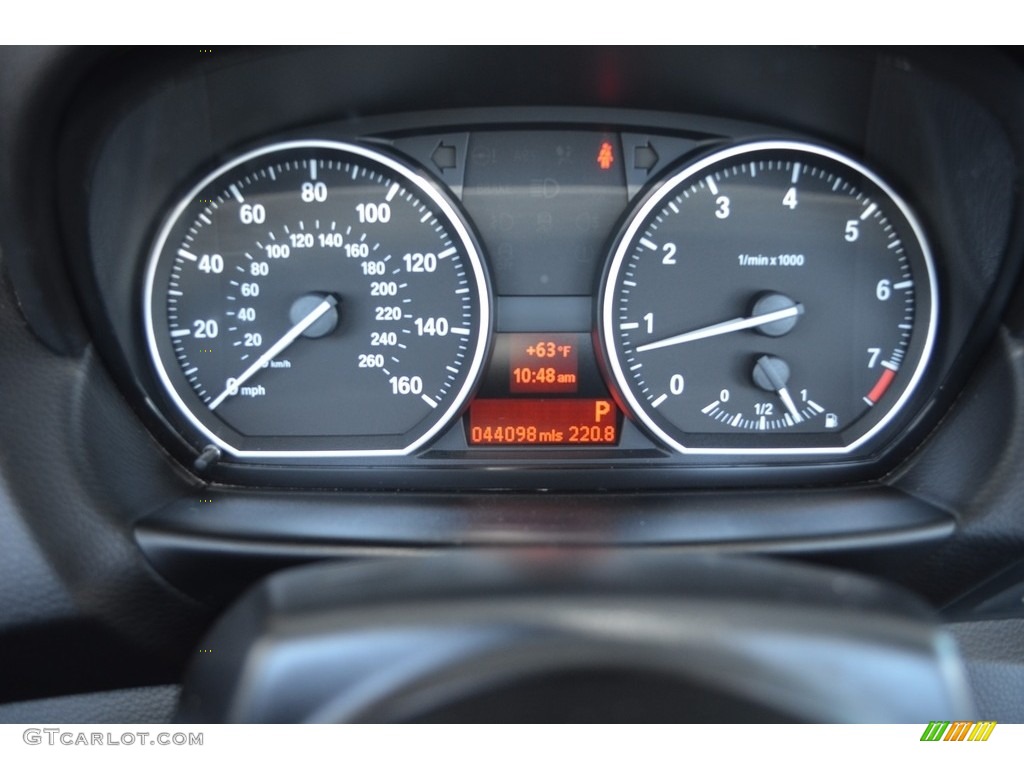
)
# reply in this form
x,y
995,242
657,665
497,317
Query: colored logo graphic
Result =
x,y
938,730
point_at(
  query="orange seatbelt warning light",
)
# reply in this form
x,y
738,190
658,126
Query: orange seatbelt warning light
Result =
x,y
605,156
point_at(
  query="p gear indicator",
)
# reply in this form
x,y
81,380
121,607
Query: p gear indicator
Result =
x,y
543,422
543,390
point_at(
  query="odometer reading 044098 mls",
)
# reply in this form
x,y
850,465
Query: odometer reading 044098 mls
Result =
x,y
316,299
771,297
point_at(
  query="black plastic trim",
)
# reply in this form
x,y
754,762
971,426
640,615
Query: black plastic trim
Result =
x,y
212,544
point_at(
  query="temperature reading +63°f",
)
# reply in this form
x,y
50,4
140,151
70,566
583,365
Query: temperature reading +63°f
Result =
x,y
548,363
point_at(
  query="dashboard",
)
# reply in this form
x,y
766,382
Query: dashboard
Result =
x,y
412,332
547,334
270,307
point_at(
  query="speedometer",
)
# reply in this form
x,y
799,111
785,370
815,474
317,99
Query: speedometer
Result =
x,y
772,297
316,298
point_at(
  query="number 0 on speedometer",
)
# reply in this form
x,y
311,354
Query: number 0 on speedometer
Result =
x,y
316,299
773,297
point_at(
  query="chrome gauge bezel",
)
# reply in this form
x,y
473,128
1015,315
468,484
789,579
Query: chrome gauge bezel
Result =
x,y
460,230
627,238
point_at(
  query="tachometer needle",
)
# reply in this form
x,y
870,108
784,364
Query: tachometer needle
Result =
x,y
729,326
277,348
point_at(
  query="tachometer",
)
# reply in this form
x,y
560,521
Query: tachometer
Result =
x,y
771,297
316,298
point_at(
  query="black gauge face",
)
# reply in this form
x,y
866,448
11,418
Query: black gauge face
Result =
x,y
316,299
773,297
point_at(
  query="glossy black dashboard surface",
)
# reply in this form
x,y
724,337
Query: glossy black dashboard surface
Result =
x,y
110,531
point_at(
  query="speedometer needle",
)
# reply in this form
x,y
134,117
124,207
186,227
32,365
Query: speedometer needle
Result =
x,y
729,326
277,348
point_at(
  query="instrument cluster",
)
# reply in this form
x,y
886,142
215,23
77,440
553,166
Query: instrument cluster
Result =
x,y
318,299
523,303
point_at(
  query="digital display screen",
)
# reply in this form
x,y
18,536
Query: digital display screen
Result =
x,y
543,389
543,422
543,363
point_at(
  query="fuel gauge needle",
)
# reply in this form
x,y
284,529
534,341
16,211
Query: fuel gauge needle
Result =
x,y
772,374
728,326
787,401
277,348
